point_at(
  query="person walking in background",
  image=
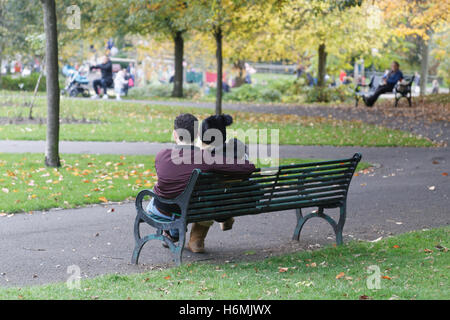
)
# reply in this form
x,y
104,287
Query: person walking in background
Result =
x,y
120,84
387,84
106,80
342,76
435,88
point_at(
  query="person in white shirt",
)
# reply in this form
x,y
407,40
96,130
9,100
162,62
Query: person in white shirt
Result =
x,y
119,83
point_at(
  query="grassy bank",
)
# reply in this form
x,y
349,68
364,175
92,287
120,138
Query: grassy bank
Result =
x,y
87,120
411,266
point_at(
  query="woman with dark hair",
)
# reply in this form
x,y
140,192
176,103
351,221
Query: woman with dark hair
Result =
x,y
213,140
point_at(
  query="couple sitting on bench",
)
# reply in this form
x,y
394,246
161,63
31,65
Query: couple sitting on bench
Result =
x,y
387,84
174,168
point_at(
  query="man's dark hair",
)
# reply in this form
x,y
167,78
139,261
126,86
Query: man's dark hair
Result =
x,y
396,63
187,122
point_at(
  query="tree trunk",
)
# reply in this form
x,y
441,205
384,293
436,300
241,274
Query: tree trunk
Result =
x,y
240,78
36,88
219,58
178,76
1,58
424,52
51,53
322,66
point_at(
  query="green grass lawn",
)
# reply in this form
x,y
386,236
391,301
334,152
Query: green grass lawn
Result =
x,y
414,265
27,185
88,120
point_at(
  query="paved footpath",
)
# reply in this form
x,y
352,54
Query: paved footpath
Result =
x,y
393,198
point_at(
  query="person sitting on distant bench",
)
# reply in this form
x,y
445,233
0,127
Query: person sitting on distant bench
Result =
x,y
106,79
387,84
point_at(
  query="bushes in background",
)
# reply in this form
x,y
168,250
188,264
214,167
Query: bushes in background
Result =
x,y
289,91
9,82
163,90
279,90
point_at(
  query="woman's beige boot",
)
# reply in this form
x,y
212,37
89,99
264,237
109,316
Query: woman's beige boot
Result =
x,y
227,224
196,242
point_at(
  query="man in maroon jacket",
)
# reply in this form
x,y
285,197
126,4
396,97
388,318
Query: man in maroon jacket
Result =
x,y
174,167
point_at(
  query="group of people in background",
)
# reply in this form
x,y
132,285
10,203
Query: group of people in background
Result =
x,y
121,82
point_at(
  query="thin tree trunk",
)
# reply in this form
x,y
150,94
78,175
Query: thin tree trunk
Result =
x,y
322,65
178,76
240,78
424,52
1,57
36,88
51,53
219,58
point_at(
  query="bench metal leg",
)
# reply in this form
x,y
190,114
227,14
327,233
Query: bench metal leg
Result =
x,y
140,242
340,225
137,237
337,227
300,223
178,250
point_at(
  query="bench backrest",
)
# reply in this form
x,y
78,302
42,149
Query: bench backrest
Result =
x,y
318,184
374,82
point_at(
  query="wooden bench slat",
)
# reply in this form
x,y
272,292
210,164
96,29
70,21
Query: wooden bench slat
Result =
x,y
219,179
331,203
251,185
258,195
263,201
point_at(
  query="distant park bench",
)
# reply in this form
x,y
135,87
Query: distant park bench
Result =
x,y
401,89
213,196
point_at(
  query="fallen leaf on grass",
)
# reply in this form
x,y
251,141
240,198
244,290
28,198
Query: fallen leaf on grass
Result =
x,y
340,275
386,277
304,283
395,246
167,278
283,269
428,250
103,199
364,297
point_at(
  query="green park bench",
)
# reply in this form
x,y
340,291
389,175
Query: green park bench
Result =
x,y
214,196
400,90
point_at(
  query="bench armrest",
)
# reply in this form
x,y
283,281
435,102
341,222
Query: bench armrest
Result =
x,y
181,200
146,192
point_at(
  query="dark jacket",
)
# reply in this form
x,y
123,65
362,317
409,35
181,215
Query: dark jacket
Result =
x,y
106,69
